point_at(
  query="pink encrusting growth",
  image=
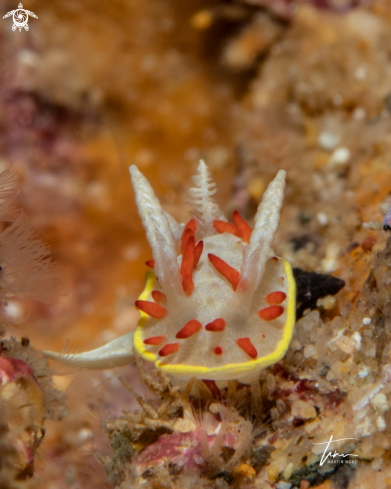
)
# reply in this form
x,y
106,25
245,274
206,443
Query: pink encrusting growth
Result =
x,y
219,305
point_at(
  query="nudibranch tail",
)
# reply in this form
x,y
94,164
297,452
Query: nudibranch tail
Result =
x,y
200,199
117,353
159,235
258,251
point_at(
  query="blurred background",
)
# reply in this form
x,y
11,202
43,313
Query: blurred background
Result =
x,y
250,86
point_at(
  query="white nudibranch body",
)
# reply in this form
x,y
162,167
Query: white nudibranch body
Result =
x,y
219,305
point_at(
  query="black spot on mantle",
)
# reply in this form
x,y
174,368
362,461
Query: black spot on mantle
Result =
x,y
311,286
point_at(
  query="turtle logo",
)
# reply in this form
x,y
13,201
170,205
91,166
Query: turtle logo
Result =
x,y
20,18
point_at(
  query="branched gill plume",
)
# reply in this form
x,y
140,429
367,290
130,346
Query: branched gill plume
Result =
x,y
200,197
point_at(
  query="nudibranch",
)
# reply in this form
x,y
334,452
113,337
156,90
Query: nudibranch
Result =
x,y
218,305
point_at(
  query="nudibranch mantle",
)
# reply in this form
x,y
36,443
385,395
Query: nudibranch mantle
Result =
x,y
219,305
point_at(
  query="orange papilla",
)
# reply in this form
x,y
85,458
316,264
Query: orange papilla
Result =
x,y
187,266
152,309
191,225
275,298
158,296
246,345
190,328
226,227
270,313
188,231
232,275
154,340
212,386
242,225
198,252
217,350
150,263
216,325
169,349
